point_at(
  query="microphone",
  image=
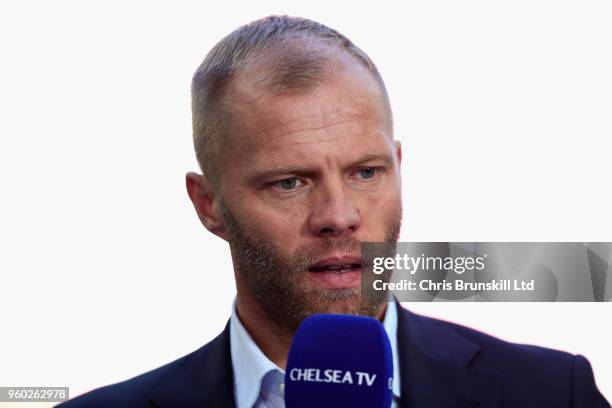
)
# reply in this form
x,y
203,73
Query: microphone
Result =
x,y
339,361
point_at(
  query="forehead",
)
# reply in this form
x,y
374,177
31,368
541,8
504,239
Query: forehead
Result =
x,y
346,111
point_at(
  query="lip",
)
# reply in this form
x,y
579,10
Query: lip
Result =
x,y
336,261
336,279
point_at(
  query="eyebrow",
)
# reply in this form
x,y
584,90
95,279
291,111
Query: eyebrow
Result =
x,y
384,157
264,175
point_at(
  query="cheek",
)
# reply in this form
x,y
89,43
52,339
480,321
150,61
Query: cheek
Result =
x,y
279,223
377,210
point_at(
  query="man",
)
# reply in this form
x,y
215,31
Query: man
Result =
x,y
293,131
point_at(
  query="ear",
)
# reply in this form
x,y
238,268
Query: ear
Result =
x,y
205,202
398,153
398,157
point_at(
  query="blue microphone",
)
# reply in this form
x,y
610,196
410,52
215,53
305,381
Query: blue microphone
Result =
x,y
339,361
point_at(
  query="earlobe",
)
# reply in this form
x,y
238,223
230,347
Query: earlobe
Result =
x,y
203,197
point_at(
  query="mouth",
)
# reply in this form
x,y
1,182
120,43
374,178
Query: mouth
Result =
x,y
337,272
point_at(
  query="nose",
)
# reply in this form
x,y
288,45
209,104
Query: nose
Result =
x,y
333,214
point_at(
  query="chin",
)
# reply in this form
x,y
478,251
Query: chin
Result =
x,y
337,302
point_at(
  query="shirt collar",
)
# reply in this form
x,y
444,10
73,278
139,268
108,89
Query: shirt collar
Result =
x,y
250,364
390,325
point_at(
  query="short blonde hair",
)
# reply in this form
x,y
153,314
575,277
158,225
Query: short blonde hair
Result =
x,y
291,66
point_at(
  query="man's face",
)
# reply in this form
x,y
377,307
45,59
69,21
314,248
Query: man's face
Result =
x,y
306,179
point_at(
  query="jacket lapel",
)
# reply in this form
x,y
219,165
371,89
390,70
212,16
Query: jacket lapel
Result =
x,y
435,367
202,379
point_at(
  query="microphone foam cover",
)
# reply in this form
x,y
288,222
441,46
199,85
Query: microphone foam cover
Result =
x,y
339,361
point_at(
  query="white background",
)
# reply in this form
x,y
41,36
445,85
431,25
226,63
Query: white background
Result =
x,y
504,111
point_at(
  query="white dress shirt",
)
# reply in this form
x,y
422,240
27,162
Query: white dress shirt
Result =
x,y
250,364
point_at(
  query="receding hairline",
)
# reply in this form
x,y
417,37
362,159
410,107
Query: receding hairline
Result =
x,y
279,55
269,70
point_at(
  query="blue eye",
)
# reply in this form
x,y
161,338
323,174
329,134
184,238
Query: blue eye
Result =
x,y
288,184
367,173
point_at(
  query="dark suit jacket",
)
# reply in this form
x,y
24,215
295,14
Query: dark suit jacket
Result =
x,y
442,365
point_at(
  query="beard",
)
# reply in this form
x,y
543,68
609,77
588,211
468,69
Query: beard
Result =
x,y
278,281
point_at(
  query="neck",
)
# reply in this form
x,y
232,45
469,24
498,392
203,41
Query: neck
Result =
x,y
272,339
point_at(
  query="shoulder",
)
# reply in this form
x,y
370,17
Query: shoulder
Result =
x,y
179,376
490,349
511,358
526,370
